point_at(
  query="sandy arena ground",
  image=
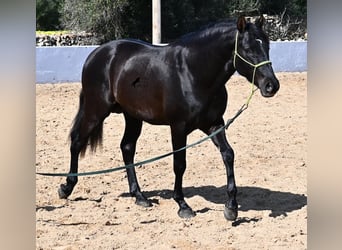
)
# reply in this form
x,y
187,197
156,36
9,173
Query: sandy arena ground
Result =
x,y
270,144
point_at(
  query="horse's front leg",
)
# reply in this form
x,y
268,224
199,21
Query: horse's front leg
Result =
x,y
220,140
179,166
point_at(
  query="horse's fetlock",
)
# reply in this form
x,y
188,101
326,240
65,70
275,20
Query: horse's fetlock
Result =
x,y
72,180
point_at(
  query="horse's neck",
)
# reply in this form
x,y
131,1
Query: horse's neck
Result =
x,y
214,58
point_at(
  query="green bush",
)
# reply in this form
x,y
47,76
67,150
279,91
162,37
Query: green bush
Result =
x,y
109,19
115,19
48,14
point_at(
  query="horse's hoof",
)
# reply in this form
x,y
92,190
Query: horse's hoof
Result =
x,y
186,213
230,213
61,193
143,202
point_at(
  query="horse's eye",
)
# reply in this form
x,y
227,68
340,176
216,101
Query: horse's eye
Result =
x,y
258,40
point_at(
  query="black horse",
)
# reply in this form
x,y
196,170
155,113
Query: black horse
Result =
x,y
181,85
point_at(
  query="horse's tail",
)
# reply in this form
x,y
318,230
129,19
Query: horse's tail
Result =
x,y
95,136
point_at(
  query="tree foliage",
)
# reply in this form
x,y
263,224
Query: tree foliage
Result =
x,y
48,13
114,19
107,18
179,17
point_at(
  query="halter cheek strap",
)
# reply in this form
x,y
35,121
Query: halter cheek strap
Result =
x,y
255,66
243,59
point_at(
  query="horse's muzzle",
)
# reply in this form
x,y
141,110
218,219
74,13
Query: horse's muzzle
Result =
x,y
270,88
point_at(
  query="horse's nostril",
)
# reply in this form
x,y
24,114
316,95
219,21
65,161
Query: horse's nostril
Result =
x,y
269,87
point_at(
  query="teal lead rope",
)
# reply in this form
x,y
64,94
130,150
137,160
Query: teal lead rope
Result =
x,y
243,107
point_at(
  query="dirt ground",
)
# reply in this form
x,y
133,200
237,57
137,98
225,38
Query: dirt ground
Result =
x,y
270,144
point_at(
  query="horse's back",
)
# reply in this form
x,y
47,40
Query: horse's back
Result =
x,y
101,57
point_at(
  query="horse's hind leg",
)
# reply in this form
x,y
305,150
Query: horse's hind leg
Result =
x,y
220,140
87,126
128,147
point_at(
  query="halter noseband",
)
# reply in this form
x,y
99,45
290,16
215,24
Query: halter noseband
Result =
x,y
255,66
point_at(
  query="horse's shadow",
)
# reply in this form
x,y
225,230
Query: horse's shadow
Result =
x,y
249,198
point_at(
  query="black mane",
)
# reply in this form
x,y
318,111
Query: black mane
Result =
x,y
205,32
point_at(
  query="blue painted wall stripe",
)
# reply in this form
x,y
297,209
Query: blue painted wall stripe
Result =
x,y
64,64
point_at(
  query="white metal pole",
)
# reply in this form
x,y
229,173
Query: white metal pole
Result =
x,y
156,22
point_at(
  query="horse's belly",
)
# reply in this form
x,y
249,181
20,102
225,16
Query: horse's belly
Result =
x,y
142,103
147,114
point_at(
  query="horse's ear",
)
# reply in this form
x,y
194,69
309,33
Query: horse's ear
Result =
x,y
260,21
241,24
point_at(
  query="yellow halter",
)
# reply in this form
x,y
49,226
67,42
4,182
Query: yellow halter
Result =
x,y
255,66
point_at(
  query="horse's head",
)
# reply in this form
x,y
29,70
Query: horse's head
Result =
x,y
251,56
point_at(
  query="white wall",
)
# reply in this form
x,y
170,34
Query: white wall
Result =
x,y
60,64
289,56
64,64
